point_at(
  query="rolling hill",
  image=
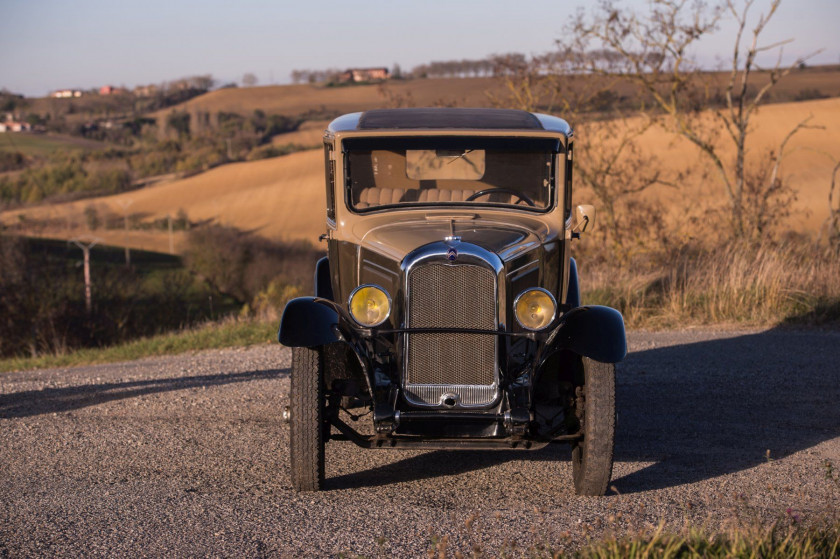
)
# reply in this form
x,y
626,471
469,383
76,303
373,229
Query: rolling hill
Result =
x,y
294,100
283,197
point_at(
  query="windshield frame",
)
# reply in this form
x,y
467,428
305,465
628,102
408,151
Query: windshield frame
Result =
x,y
551,146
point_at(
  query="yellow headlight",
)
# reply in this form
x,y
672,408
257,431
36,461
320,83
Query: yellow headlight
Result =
x,y
370,305
534,309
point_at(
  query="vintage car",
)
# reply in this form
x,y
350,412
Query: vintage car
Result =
x,y
447,313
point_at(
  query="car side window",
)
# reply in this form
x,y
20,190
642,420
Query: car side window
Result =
x,y
329,168
567,203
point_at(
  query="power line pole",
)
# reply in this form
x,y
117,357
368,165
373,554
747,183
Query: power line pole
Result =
x,y
86,246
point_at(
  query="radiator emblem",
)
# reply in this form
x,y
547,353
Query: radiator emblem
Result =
x,y
452,254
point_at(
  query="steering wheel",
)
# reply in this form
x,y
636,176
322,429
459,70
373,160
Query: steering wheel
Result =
x,y
519,195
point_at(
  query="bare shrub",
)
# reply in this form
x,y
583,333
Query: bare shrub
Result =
x,y
241,265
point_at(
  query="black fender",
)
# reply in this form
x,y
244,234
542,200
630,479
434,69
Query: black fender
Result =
x,y
307,323
323,282
592,331
573,296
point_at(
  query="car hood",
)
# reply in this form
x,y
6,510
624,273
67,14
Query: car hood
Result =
x,y
508,238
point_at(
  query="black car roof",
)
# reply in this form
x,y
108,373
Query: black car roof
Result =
x,y
490,119
448,118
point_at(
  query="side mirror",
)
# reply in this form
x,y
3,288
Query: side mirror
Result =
x,y
584,219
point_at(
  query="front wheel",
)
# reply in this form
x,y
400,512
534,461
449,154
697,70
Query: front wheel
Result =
x,y
306,424
592,457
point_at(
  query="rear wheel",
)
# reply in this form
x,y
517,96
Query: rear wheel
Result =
x,y
306,426
592,457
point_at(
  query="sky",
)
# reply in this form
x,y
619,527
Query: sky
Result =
x,y
48,45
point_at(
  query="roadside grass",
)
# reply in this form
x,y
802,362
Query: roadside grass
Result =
x,y
780,540
768,543
212,335
790,283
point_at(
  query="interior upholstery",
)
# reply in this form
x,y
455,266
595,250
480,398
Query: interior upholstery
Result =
x,y
375,196
386,172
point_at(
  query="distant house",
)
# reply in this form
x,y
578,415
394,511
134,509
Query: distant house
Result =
x,y
364,75
111,90
64,93
14,126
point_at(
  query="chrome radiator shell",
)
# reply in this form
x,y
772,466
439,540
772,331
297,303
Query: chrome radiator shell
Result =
x,y
452,285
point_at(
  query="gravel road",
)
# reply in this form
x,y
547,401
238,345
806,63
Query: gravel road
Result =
x,y
188,456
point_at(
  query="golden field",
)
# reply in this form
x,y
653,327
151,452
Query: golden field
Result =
x,y
309,134
293,100
280,198
807,163
283,197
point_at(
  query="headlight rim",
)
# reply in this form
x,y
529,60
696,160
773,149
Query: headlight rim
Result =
x,y
350,304
553,314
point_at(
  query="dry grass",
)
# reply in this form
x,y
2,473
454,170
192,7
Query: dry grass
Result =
x,y
766,542
782,539
737,284
214,335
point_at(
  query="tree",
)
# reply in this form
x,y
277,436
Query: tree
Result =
x,y
249,80
609,159
298,76
654,51
179,121
203,83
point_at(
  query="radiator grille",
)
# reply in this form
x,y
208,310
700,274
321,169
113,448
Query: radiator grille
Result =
x,y
447,296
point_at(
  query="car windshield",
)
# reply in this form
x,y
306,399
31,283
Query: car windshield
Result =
x,y
384,171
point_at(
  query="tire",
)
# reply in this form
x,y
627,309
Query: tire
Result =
x,y
306,426
592,457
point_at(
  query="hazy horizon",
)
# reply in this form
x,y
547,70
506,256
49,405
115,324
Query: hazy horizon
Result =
x,y
93,43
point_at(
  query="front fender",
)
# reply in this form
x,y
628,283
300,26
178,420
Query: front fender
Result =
x,y
323,282
307,323
573,296
593,331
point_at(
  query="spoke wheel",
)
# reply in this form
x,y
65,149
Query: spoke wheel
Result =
x,y
592,457
306,441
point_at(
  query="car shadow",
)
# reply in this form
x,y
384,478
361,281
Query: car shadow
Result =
x,y
689,412
439,463
702,410
53,400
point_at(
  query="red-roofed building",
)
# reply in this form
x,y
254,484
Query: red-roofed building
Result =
x,y
111,90
364,75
